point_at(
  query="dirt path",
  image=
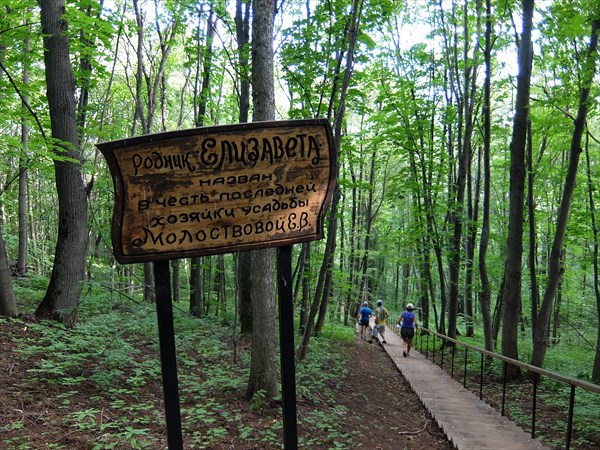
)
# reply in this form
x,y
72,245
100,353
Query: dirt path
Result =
x,y
388,415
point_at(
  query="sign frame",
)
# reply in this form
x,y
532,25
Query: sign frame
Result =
x,y
111,150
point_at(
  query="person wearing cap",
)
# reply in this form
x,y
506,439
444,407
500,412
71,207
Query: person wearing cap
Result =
x,y
408,324
381,314
364,315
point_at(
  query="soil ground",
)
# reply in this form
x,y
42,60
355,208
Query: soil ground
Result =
x,y
381,410
389,416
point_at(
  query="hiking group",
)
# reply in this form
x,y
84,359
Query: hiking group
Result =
x,y
407,323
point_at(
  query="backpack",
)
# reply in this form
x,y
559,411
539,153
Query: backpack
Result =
x,y
382,314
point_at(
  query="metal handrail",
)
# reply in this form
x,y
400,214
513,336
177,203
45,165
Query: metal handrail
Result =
x,y
572,382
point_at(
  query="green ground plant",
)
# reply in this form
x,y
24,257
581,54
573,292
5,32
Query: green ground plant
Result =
x,y
112,357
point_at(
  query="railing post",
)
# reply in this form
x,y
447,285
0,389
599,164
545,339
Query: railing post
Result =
x,y
481,378
465,369
570,419
534,404
504,376
452,361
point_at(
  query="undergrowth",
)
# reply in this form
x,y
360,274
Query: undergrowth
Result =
x,y
112,358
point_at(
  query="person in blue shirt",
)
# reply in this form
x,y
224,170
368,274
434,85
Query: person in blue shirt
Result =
x,y
408,324
364,315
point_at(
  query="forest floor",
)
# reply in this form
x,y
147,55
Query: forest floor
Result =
x,y
98,386
375,406
388,414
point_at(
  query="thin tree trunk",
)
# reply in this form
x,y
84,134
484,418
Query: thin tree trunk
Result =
x,y
23,223
596,251
473,207
485,293
514,244
196,287
555,270
176,279
327,263
242,28
263,373
464,161
8,300
305,286
535,295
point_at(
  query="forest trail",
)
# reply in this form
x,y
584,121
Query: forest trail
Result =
x,y
468,422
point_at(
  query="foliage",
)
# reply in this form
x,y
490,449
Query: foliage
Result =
x,y
112,356
402,119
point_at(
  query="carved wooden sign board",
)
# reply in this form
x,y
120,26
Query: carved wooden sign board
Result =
x,y
220,189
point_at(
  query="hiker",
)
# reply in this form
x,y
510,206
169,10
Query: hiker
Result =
x,y
408,324
364,315
381,314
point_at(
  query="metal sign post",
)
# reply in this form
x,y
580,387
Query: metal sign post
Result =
x,y
168,361
286,343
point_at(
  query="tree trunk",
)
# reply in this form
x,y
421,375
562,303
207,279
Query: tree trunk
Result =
x,y
535,295
353,262
263,373
220,284
555,269
66,282
196,287
8,301
486,291
149,293
514,244
325,267
473,208
263,363
242,28
23,223
176,279
305,270
330,243
467,100
596,251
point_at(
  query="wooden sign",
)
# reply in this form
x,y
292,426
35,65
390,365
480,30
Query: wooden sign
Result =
x,y
220,189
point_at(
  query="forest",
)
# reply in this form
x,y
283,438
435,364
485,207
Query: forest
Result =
x,y
466,134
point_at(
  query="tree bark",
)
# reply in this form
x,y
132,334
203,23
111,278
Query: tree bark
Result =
x,y
555,269
514,244
242,28
200,101
8,300
486,291
535,295
263,373
330,243
466,95
595,263
65,287
23,223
